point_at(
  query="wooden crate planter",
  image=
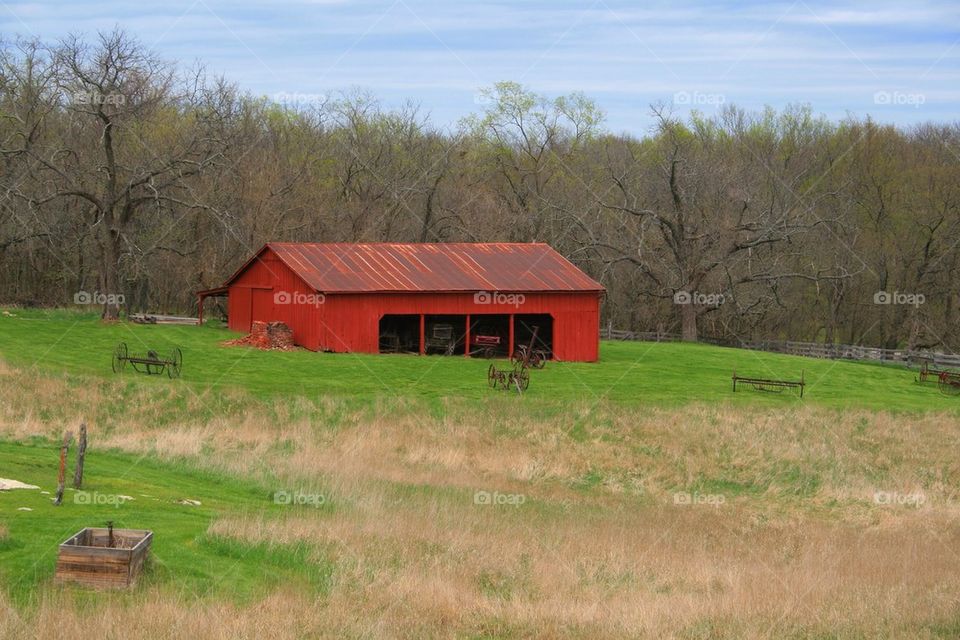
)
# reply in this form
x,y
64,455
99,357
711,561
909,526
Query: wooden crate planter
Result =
x,y
87,558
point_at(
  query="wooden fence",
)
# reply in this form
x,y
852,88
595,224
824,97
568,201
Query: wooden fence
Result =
x,y
809,349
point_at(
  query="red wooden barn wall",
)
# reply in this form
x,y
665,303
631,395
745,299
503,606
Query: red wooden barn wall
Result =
x,y
345,322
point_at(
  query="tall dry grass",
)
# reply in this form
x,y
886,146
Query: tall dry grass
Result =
x,y
601,547
428,571
822,456
650,573
155,615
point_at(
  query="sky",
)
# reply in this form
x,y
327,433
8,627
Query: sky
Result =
x,y
896,61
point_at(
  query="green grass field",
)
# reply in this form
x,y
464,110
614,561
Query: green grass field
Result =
x,y
778,530
656,374
185,558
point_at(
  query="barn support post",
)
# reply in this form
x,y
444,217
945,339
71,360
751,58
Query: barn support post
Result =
x,y
423,331
209,293
466,339
510,338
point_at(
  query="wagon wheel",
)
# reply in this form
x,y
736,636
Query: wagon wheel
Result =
x,y
521,379
949,385
489,352
492,376
518,355
536,359
175,364
119,357
543,357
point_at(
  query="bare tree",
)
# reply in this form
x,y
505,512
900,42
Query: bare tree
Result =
x,y
125,147
705,209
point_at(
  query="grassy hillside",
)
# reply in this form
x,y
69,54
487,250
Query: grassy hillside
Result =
x,y
662,374
185,559
635,497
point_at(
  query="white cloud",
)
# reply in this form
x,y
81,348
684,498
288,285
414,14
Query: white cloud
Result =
x,y
832,55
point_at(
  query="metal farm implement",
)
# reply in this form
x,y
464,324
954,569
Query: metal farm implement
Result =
x,y
484,345
150,363
930,373
534,358
949,383
768,385
519,377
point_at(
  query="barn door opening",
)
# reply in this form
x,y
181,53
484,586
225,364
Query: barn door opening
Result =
x,y
400,334
523,325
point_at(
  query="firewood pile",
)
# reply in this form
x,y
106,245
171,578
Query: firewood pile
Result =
x,y
275,336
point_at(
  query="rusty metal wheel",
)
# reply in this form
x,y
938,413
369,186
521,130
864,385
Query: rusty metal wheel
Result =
x,y
949,384
175,364
492,376
521,379
119,357
537,359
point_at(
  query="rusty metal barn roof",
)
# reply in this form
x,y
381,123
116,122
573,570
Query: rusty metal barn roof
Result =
x,y
392,267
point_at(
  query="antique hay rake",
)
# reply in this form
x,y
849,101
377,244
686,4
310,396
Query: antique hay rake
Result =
x,y
150,362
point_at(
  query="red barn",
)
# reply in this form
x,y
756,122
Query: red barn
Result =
x,y
456,298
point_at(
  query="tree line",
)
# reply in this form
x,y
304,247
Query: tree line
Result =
x,y
142,181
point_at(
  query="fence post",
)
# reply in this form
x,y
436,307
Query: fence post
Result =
x,y
61,476
81,453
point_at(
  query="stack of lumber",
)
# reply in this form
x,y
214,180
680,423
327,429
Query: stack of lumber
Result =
x,y
143,318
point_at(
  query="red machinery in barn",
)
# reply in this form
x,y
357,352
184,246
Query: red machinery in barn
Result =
x,y
485,345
